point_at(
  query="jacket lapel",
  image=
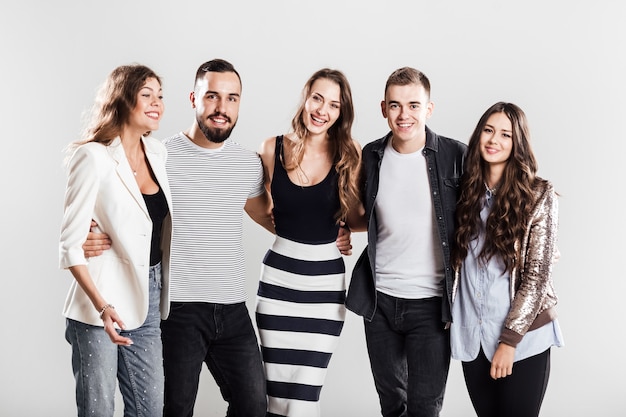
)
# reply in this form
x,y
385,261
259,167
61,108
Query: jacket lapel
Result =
x,y
125,173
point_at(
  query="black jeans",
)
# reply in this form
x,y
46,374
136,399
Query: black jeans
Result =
x,y
409,351
517,395
222,336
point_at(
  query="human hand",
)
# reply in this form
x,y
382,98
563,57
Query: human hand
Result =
x,y
96,243
502,362
344,240
110,318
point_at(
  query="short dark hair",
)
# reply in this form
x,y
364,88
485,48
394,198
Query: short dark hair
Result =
x,y
215,65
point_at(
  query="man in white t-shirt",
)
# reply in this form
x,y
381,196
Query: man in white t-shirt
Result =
x,y
402,283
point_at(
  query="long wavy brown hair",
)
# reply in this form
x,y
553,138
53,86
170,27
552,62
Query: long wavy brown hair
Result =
x,y
344,153
513,199
115,100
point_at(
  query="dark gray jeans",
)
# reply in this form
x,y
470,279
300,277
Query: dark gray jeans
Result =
x,y
409,351
222,337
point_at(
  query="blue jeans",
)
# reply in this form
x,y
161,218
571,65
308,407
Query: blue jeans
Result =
x,y
409,351
98,363
222,336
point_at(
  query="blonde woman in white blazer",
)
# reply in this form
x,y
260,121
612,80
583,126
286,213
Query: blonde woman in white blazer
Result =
x,y
116,301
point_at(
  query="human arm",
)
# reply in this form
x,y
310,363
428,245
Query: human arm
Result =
x,y
259,209
80,201
96,242
356,219
534,290
108,314
267,153
356,223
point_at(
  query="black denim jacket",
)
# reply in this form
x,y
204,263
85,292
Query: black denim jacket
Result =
x,y
444,158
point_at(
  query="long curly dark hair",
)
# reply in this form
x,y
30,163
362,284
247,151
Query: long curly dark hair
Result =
x,y
344,153
512,201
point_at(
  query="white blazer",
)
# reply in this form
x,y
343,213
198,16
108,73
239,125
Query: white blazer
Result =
x,y
101,186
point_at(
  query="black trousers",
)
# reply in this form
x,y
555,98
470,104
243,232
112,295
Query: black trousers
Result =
x,y
518,395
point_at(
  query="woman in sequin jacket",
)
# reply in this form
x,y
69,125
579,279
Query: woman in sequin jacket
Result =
x,y
504,317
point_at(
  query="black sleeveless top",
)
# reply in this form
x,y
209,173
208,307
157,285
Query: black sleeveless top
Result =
x,y
157,207
304,214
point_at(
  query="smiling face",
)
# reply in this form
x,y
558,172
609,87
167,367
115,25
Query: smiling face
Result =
x,y
216,101
406,108
322,108
149,108
496,140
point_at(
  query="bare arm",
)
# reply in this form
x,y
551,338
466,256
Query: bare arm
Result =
x,y
356,217
109,315
356,223
267,153
260,210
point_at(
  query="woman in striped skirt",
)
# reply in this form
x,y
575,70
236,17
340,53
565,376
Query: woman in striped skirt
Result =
x,y
311,173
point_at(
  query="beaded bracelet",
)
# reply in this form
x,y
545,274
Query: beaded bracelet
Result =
x,y
106,306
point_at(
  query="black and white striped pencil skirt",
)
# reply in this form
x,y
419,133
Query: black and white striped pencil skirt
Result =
x,y
300,313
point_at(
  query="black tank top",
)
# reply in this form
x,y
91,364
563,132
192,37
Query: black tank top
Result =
x,y
304,214
157,207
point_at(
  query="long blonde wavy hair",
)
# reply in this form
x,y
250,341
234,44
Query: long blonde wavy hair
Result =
x,y
344,153
114,102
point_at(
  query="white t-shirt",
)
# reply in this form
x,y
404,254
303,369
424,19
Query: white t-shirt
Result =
x,y
409,263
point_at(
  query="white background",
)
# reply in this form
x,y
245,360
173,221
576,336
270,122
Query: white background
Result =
x,y
563,62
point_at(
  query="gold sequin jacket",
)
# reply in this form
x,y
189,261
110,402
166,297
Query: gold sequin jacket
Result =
x,y
533,298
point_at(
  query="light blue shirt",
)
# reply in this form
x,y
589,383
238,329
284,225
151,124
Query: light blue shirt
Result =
x,y
482,303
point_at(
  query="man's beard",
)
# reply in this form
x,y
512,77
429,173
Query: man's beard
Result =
x,y
213,134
